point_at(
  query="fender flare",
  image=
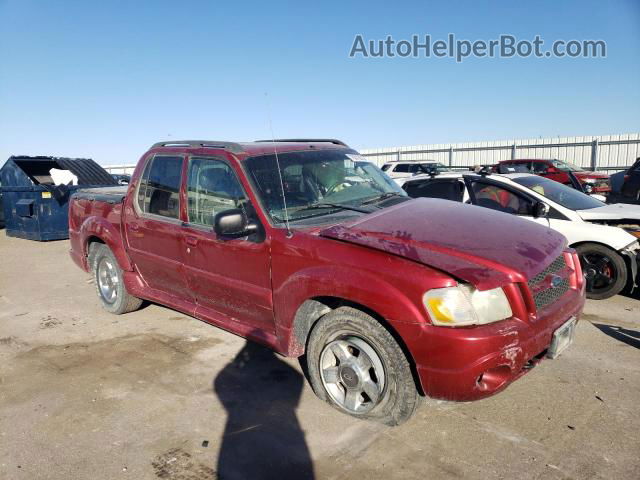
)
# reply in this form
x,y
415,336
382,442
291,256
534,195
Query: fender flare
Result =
x,y
110,235
297,309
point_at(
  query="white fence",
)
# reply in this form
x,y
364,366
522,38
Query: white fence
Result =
x,y
608,152
128,169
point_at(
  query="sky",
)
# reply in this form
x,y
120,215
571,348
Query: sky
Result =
x,y
107,79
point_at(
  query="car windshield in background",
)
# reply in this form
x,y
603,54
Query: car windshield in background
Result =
x,y
559,193
566,167
319,183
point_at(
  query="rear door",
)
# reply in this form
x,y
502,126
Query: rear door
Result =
x,y
401,170
154,228
229,276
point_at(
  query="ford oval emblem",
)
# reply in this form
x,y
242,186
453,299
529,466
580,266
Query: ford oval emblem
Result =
x,y
556,281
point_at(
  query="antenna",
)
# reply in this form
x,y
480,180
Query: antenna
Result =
x,y
275,151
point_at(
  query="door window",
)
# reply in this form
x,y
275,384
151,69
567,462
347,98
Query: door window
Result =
x,y
447,190
212,188
515,167
159,191
540,167
498,198
402,168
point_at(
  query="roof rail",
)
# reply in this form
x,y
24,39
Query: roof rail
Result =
x,y
232,146
305,140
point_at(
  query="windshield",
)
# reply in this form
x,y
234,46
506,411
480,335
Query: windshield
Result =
x,y
559,193
318,183
566,167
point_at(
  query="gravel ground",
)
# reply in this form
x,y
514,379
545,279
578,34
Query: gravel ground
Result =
x,y
156,394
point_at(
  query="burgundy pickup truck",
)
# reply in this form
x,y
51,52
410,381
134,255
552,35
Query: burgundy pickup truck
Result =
x,y
304,246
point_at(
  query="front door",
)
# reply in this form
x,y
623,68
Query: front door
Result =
x,y
489,194
229,276
154,229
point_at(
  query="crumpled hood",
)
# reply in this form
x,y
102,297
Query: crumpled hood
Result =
x,y
483,247
617,211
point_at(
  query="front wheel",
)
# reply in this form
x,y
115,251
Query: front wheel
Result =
x,y
604,269
356,365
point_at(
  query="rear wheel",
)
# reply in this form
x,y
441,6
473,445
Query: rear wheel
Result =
x,y
604,269
356,366
109,281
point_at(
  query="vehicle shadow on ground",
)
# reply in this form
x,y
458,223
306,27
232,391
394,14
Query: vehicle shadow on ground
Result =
x,y
262,437
624,335
629,294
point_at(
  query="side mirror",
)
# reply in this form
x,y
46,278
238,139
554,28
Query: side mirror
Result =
x,y
233,223
588,189
540,209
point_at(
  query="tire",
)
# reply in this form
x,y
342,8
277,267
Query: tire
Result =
x,y
604,269
109,281
372,379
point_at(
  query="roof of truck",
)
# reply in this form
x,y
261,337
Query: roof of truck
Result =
x,y
246,149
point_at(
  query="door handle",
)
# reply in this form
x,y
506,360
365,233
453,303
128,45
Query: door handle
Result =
x,y
191,241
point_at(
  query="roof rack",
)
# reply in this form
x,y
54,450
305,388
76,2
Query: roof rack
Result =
x,y
232,146
305,140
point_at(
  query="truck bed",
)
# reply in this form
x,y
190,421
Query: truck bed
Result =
x,y
111,195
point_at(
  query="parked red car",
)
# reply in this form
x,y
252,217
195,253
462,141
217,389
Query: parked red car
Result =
x,y
307,248
558,170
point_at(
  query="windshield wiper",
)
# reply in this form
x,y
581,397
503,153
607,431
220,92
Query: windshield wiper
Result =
x,y
382,197
340,206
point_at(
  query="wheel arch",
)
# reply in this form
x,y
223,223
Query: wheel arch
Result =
x,y
628,261
313,309
626,258
98,230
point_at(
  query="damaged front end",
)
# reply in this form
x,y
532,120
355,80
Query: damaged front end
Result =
x,y
631,256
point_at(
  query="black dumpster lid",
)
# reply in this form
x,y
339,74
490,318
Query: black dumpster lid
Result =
x,y
87,170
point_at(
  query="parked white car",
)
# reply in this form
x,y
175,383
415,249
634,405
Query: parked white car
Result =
x,y
400,171
605,236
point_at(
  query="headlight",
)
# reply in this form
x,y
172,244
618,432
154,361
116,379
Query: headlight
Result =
x,y
588,180
464,305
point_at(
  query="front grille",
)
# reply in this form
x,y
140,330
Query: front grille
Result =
x,y
549,294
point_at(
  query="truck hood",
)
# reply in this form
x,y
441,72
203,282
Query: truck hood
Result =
x,y
617,211
480,246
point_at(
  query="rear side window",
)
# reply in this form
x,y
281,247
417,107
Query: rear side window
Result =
x,y
159,191
385,167
515,167
447,190
402,168
540,167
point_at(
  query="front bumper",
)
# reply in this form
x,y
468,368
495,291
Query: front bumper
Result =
x,y
463,364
